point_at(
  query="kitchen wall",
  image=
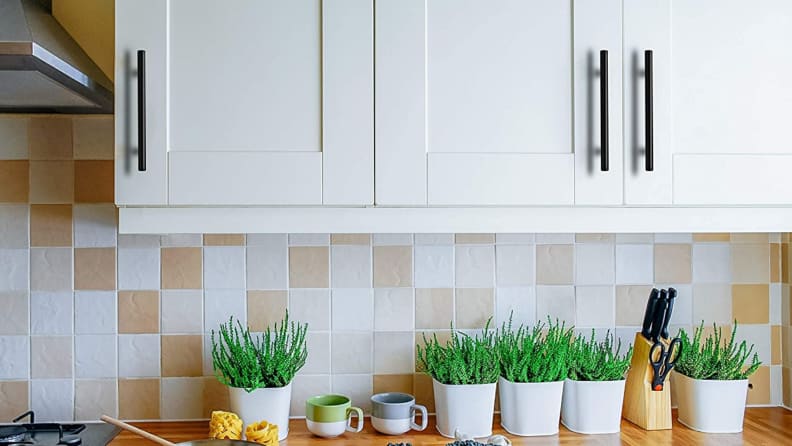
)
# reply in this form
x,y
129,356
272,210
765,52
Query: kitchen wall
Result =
x,y
94,322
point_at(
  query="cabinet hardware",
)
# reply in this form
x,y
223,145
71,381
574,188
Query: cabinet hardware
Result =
x,y
649,112
141,109
604,158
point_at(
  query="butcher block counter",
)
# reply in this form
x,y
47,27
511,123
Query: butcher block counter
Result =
x,y
763,426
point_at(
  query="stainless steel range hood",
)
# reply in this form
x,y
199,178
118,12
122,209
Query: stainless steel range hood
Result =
x,y
42,69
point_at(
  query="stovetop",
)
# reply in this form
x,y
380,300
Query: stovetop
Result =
x,y
53,434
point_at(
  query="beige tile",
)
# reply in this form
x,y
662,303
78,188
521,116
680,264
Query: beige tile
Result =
x,y
474,306
751,304
94,269
775,345
423,392
13,399
181,355
786,265
471,239
14,317
51,356
593,238
51,225
266,308
14,137
630,304
224,239
555,264
309,267
393,383
94,181
14,181
94,398
51,269
51,181
750,237
786,384
181,268
215,396
775,263
760,382
138,312
93,137
672,263
750,263
786,346
711,237
393,266
350,239
139,399
50,138
434,307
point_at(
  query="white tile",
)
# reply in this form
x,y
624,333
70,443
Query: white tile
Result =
x,y
515,265
712,303
311,306
352,309
775,304
675,237
52,399
394,352
14,303
759,336
594,264
181,240
682,313
138,268
267,266
182,399
634,238
774,237
95,356
351,353
138,241
776,385
515,239
15,351
138,356
14,138
220,305
634,264
625,335
555,302
309,239
318,362
268,240
555,239
517,302
224,267
51,269
357,388
14,223
711,263
350,266
13,269
182,311
95,225
475,266
51,313
93,137
434,239
394,309
392,239
95,312
434,266
595,306
304,387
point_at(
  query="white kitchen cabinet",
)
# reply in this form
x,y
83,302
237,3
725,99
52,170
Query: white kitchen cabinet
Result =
x,y
252,102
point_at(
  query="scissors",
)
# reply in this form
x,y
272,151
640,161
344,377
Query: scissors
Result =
x,y
666,360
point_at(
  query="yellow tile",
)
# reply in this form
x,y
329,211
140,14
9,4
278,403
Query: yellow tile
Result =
x,y
138,312
672,263
393,266
13,399
181,355
94,269
555,264
775,263
750,263
471,239
50,138
434,307
94,181
775,344
751,304
51,181
423,391
474,306
265,308
760,382
51,225
750,237
139,399
215,396
14,181
224,239
181,268
631,303
350,239
309,267
393,383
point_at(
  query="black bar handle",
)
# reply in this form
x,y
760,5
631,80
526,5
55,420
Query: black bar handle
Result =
x,y
604,153
649,112
141,109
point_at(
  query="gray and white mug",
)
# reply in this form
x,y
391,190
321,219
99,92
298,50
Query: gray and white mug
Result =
x,y
394,413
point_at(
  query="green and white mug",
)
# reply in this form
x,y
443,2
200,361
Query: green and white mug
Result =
x,y
331,415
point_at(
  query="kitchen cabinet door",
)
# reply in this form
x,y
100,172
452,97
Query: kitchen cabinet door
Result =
x,y
474,102
269,102
732,66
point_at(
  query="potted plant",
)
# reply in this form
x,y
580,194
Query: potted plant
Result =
x,y
464,373
258,369
711,380
594,390
533,367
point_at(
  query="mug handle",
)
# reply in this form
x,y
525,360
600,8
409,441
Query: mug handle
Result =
x,y
354,411
424,417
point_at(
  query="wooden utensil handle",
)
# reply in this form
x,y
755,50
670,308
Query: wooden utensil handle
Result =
x,y
136,431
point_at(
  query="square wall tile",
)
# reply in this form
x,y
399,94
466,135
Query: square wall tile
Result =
x,y
393,309
357,387
775,262
711,237
224,267
750,263
630,304
94,181
394,352
15,351
555,239
14,317
139,356
139,399
594,238
215,396
182,311
95,268
51,269
634,264
393,383
93,137
309,239
636,238
50,138
180,240
13,398
267,266
52,399
712,303
14,181
434,239
594,264
181,355
309,267
519,303
95,226
95,356
759,392
182,398
423,392
51,225
304,387
711,263
266,308
595,306
51,356
94,398
311,307
95,312
474,306
674,238
139,268
751,304
515,265
52,182
555,264
14,226
267,240
220,305
181,268
138,312
555,302
392,239
352,309
474,239
393,266
318,361
224,239
672,263
51,313
14,139
474,266
350,239
139,240
351,352
434,308
14,269
350,266
750,237
434,266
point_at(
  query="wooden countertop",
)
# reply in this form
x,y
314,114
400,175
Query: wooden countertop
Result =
x,y
763,426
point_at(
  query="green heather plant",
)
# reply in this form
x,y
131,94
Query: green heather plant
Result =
x,y
464,359
714,359
534,356
590,360
251,362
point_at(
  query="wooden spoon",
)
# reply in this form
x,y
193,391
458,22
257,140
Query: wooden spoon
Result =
x,y
136,431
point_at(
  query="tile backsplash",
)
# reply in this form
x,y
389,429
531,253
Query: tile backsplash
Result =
x,y
95,322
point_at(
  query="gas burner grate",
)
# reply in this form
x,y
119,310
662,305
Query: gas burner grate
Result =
x,y
12,434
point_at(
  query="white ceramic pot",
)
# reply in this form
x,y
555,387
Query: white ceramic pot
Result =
x,y
466,408
529,409
271,404
712,406
592,407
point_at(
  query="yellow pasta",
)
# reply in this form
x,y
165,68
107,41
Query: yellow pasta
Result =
x,y
262,433
225,426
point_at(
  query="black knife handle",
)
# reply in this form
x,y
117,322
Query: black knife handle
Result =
x,y
659,315
649,313
672,294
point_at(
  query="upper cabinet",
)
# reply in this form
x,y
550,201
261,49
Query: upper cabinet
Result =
x,y
253,102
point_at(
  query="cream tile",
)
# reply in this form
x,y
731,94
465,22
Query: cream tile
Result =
x,y
474,266
139,268
220,305
14,142
711,237
555,302
759,392
181,355
555,264
95,226
14,398
358,388
181,268
51,225
594,264
394,352
267,266
309,239
139,399
393,266
595,306
51,356
266,308
224,239
319,359
634,264
51,313
14,317
182,398
51,182
304,387
94,398
711,263
751,304
14,269
14,224
392,239
309,267
434,239
138,312
51,269
15,351
351,353
350,266
634,238
434,307
352,309
93,137
14,181
182,311
50,138
95,356
393,309
422,389
224,267
311,307
517,302
95,268
712,303
750,263
139,240
750,237
139,356
474,306
594,238
52,399
775,262
95,312
672,263
393,383
434,266
94,182
350,239
515,265
475,239
630,304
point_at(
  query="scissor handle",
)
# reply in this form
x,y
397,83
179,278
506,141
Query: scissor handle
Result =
x,y
672,354
661,357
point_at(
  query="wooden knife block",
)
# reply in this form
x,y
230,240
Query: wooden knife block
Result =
x,y
649,409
